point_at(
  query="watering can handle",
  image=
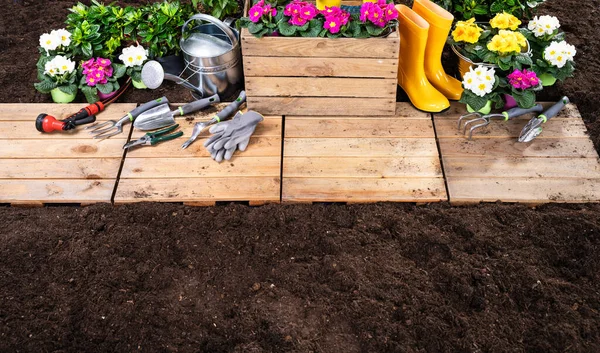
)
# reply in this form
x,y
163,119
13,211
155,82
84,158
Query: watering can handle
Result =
x,y
222,26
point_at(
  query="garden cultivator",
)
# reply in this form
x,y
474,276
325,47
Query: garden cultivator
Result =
x,y
486,119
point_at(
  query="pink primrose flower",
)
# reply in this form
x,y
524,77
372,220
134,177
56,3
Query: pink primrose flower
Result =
x,y
297,21
308,12
523,79
376,14
108,71
331,11
292,9
332,24
103,62
273,12
90,80
365,11
390,12
255,13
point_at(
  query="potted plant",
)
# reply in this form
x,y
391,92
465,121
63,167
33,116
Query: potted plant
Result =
x,y
483,10
133,57
99,80
521,86
57,77
481,90
552,55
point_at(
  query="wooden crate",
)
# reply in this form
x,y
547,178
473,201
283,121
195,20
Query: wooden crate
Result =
x,y
321,76
166,173
357,159
59,167
560,165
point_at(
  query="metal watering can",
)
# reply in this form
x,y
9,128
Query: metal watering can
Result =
x,y
212,57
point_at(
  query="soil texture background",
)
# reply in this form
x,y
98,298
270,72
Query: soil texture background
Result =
x,y
298,278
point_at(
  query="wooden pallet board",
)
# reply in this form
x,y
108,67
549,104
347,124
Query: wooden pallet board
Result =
x,y
59,167
166,173
352,159
560,165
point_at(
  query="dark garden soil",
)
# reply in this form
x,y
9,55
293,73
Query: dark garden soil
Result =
x,y
300,278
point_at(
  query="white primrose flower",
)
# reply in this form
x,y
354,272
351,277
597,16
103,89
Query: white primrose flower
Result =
x,y
543,25
482,88
134,56
63,35
63,64
480,80
50,69
49,41
558,53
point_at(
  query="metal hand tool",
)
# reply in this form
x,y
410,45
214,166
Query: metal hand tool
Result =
x,y
162,115
222,115
506,115
533,127
117,126
152,138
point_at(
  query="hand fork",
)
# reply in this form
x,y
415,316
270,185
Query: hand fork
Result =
x,y
506,115
117,126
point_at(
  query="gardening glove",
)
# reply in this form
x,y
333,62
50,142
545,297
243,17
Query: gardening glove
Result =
x,y
232,135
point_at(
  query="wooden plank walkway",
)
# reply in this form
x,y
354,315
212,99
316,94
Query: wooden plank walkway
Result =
x,y
59,167
561,165
166,173
355,159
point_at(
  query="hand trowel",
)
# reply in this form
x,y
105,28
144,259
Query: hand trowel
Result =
x,y
162,115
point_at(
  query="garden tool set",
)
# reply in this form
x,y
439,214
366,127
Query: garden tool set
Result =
x,y
152,138
232,135
161,116
222,115
47,123
534,127
116,127
486,119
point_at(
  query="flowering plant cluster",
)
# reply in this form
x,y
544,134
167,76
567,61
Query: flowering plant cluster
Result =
x,y
301,18
480,87
58,72
134,57
100,75
55,42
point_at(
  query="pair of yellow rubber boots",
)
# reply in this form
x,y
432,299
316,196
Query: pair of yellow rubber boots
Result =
x,y
423,33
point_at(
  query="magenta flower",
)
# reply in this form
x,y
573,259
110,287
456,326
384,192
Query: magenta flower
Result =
x,y
108,72
376,14
523,79
332,24
91,81
273,12
297,21
344,18
331,11
390,12
255,13
382,3
308,12
366,10
292,9
103,62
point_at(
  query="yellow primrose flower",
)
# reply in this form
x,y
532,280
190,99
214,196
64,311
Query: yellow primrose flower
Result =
x,y
507,42
505,21
466,31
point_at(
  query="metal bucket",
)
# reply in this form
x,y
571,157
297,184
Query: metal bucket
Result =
x,y
464,63
212,57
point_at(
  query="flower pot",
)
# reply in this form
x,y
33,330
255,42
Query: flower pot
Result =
x,y
509,102
138,84
330,3
485,110
547,79
59,96
106,96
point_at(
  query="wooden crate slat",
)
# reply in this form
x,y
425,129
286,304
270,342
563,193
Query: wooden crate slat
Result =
x,y
323,106
61,148
522,167
380,48
258,147
198,189
555,128
321,86
362,167
26,130
179,168
457,109
529,190
360,147
265,66
367,190
55,191
357,127
30,111
81,168
508,147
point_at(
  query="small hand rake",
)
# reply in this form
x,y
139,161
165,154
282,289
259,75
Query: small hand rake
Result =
x,y
486,119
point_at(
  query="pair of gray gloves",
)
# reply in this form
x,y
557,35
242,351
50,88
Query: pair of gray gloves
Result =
x,y
229,136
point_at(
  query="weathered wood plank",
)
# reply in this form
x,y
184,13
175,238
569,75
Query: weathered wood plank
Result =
x,y
367,190
457,109
61,148
362,167
26,130
258,147
56,190
555,128
83,168
321,86
501,167
360,147
262,66
574,148
323,106
529,190
198,189
30,111
383,48
357,127
180,168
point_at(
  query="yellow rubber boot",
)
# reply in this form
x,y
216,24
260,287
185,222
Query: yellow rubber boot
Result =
x,y
440,23
411,69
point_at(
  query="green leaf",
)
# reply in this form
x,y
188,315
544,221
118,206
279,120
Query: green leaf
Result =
x,y
118,70
480,10
136,76
287,30
90,94
87,50
496,7
255,27
524,59
374,31
45,86
70,89
525,99
105,88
